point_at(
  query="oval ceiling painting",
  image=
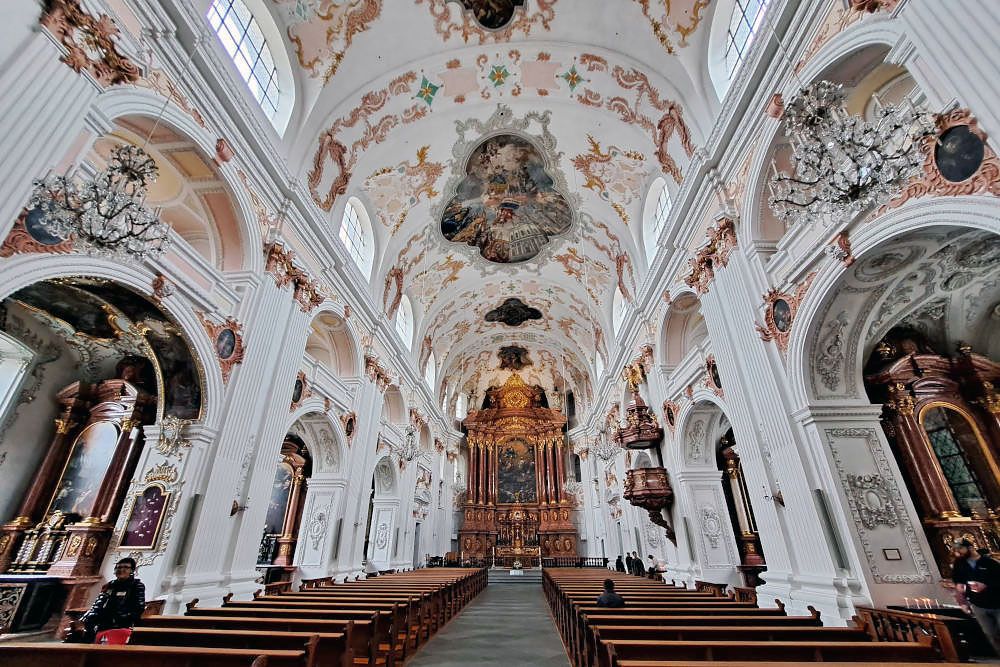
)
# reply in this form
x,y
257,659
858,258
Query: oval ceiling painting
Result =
x,y
507,204
492,14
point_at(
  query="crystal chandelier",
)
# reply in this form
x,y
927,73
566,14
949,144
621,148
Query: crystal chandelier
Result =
x,y
107,215
843,164
606,448
407,451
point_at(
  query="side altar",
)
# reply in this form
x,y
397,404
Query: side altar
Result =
x,y
515,505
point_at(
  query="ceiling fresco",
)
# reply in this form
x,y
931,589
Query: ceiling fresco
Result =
x,y
503,150
514,358
492,14
507,205
513,312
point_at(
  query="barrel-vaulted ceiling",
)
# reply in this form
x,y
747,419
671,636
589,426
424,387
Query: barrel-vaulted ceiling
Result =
x,y
585,102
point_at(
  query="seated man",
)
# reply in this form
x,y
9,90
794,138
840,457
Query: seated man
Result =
x,y
119,605
609,598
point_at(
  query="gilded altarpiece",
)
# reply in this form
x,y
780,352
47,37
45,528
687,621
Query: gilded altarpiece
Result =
x,y
515,505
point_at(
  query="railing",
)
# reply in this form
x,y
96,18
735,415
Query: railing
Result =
x,y
574,562
903,626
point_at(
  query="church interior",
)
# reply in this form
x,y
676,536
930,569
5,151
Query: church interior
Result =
x,y
603,333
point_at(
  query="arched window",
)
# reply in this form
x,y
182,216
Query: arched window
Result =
x,y
619,308
404,321
430,371
244,41
656,216
356,235
743,26
461,406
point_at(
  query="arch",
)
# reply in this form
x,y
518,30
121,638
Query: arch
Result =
x,y
332,344
430,372
619,310
817,325
683,329
403,322
393,406
386,479
23,270
735,26
322,434
356,235
254,44
655,213
126,102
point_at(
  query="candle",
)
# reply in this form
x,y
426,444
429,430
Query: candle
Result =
x,y
906,602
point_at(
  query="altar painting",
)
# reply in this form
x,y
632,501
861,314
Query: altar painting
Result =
x,y
507,204
84,473
516,476
278,504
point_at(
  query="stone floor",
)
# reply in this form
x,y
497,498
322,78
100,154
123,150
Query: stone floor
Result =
x,y
505,625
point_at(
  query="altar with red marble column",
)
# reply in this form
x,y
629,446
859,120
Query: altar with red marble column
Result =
x,y
515,504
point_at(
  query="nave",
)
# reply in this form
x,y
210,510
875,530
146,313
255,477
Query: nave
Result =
x,y
453,617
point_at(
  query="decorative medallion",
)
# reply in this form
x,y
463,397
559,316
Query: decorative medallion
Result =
x,y
300,390
712,379
513,312
957,162
90,42
350,423
491,14
227,338
507,204
670,410
513,358
779,313
29,236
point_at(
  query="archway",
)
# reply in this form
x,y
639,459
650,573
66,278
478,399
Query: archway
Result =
x,y
911,325
104,368
383,508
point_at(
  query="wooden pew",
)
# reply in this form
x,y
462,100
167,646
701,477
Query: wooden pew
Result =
x,y
402,616
616,651
383,638
325,649
94,655
361,634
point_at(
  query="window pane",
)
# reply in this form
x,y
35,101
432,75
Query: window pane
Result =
x,y
243,40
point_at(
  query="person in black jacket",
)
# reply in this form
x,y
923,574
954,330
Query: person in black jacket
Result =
x,y
619,564
119,605
977,588
628,563
609,598
637,568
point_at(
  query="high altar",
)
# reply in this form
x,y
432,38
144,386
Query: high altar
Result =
x,y
515,505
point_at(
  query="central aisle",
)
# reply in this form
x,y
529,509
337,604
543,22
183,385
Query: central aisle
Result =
x,y
507,624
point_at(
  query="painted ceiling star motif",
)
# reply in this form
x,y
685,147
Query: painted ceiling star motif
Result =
x,y
617,175
572,78
498,75
394,191
427,91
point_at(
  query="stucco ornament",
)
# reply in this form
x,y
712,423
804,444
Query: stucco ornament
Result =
x,y
711,524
